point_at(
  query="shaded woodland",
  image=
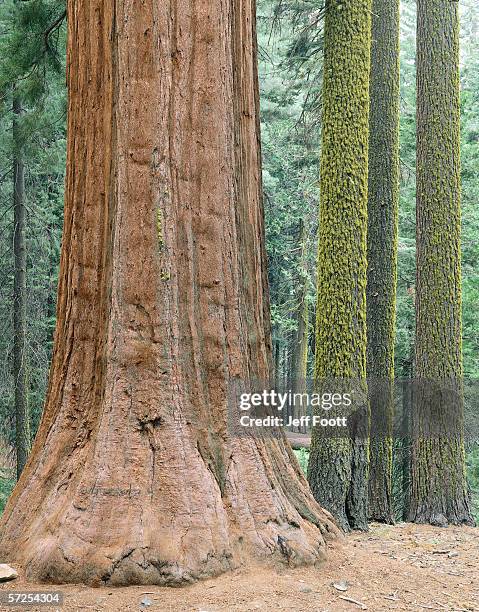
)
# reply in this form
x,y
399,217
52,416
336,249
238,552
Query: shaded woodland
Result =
x,y
286,192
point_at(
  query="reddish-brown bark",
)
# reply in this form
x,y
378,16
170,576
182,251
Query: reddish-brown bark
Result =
x,y
134,476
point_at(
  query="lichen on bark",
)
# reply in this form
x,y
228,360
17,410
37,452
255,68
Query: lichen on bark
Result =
x,y
383,196
338,466
438,484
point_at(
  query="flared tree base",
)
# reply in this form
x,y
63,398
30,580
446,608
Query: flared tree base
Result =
x,y
145,524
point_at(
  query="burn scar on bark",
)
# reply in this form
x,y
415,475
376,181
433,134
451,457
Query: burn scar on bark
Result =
x,y
150,425
127,553
284,548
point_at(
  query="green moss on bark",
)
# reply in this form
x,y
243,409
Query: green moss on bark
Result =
x,y
438,485
159,227
338,466
383,199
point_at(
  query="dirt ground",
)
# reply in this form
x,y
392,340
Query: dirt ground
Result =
x,y
406,567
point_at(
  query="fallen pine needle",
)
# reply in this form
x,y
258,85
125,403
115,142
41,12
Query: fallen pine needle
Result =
x,y
390,598
354,601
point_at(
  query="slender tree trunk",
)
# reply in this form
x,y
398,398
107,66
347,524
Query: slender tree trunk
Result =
x,y
20,368
290,373
338,467
50,306
300,340
277,364
135,476
383,196
438,484
407,403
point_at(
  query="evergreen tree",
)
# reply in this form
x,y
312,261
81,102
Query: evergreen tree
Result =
x,y
383,196
20,355
290,161
30,47
300,344
338,467
438,484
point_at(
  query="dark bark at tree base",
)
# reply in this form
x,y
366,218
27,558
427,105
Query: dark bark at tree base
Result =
x,y
331,491
380,491
438,493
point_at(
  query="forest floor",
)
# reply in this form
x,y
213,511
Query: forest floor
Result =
x,y
405,567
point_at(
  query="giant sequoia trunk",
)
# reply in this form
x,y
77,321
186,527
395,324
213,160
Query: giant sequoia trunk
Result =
x,y
338,467
383,196
134,476
438,483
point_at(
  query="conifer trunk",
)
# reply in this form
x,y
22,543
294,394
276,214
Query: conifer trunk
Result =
x,y
438,485
277,364
135,476
20,369
338,467
300,339
407,402
383,196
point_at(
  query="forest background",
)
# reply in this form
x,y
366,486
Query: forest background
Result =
x,y
32,66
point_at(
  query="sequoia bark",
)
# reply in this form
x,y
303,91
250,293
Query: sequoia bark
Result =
x,y
135,477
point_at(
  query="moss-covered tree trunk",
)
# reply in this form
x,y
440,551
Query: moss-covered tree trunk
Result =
x,y
338,467
438,484
20,368
135,476
382,248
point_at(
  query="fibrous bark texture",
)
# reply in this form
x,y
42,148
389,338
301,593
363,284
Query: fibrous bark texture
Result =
x,y
383,196
134,477
438,488
338,465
